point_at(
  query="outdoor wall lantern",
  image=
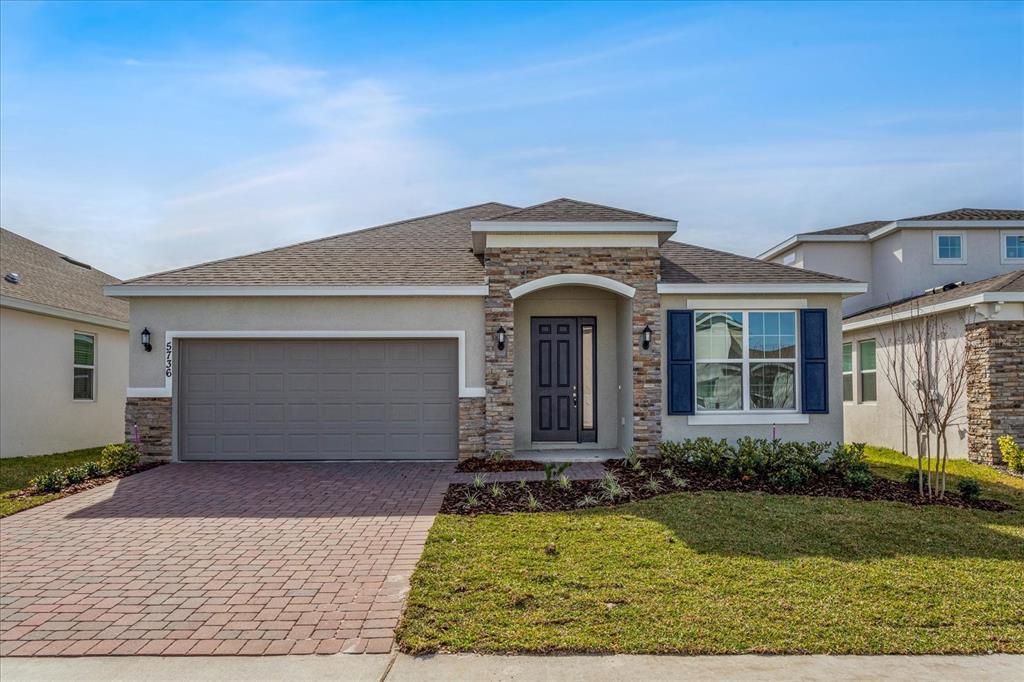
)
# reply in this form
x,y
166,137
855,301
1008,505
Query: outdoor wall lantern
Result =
x,y
501,338
145,340
645,337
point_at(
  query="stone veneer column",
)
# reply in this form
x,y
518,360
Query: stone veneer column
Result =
x,y
472,427
995,387
509,267
153,418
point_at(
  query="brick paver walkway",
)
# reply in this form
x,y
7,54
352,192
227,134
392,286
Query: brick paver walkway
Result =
x,y
197,559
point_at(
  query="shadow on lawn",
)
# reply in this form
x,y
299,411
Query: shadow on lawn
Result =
x,y
777,527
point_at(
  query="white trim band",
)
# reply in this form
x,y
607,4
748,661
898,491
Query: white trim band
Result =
x,y
765,288
747,418
560,226
61,313
573,279
127,290
168,389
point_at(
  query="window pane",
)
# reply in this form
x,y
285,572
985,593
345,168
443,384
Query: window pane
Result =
x,y
848,388
83,384
85,349
1015,246
867,355
772,386
949,246
867,387
587,378
772,335
719,336
847,357
719,386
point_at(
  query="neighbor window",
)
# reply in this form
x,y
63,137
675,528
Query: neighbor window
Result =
x,y
1013,246
949,247
848,372
746,361
868,387
85,367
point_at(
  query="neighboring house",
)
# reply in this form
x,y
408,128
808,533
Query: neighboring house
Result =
x,y
563,326
962,271
63,352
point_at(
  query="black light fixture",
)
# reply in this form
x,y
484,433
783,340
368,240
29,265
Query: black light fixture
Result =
x,y
145,340
501,338
645,337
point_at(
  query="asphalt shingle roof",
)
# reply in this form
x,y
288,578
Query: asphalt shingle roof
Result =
x,y
689,264
959,214
1011,281
856,228
46,278
571,210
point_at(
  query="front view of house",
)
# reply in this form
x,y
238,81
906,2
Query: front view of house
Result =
x,y
563,326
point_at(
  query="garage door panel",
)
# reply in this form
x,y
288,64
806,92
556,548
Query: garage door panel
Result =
x,y
318,399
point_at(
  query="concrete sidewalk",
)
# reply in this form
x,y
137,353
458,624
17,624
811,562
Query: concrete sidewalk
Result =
x,y
402,668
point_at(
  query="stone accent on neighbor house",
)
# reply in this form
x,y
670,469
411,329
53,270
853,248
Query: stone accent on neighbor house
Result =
x,y
152,416
472,427
995,386
509,267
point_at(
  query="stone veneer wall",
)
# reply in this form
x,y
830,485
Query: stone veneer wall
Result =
x,y
472,427
509,267
995,387
153,417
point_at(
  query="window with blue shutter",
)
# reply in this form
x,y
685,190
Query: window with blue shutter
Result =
x,y
680,362
814,360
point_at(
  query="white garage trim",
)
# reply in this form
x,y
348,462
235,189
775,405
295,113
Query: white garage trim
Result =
x,y
570,279
169,337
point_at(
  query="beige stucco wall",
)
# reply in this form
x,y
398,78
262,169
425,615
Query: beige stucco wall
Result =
x,y
570,301
820,427
883,422
39,415
462,313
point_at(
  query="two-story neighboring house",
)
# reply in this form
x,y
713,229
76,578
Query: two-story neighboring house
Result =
x,y
963,271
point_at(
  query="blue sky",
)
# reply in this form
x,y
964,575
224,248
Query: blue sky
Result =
x,y
140,137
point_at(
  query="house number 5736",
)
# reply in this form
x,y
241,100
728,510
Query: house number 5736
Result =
x,y
168,368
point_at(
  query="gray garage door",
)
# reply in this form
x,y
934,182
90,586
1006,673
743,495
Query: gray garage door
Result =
x,y
317,399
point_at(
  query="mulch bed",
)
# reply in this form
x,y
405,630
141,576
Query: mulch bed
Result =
x,y
84,485
475,464
553,497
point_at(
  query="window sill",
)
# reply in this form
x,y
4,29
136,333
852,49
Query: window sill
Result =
x,y
748,418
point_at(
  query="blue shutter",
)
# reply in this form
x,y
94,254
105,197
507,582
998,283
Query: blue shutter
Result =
x,y
680,362
814,360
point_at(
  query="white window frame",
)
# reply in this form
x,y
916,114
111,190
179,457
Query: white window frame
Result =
x,y
745,363
75,365
1003,258
935,247
861,372
853,371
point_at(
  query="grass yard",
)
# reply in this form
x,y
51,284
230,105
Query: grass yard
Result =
x,y
16,472
729,573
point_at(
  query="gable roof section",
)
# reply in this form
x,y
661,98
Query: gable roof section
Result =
x,y
48,279
689,264
434,250
856,228
1008,283
573,211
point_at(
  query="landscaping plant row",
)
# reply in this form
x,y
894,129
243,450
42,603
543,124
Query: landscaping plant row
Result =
x,y
751,465
116,460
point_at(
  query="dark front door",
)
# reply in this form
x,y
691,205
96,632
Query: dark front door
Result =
x,y
563,354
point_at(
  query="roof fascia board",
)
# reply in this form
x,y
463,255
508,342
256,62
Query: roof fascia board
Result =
x,y
574,226
798,238
848,288
941,224
61,313
944,307
190,290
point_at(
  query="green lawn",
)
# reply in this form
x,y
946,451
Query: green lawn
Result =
x,y
728,573
16,472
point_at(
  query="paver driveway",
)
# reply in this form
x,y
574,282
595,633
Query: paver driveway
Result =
x,y
198,559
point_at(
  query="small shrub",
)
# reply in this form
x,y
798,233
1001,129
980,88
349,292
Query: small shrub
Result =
x,y
910,479
532,503
553,470
750,459
1013,454
93,470
679,482
497,492
653,486
472,501
479,481
119,458
51,482
522,484
611,489
711,456
859,479
563,482
675,453
496,456
587,501
633,459
76,475
969,489
846,457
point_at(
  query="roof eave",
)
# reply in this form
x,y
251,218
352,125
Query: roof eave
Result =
x,y
782,247
844,288
62,313
998,297
233,290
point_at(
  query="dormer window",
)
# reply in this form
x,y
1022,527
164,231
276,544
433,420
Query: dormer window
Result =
x,y
949,247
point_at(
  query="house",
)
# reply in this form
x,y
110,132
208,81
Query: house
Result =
x,y
962,271
63,352
565,326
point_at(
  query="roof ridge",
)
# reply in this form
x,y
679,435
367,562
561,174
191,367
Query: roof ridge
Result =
x,y
788,268
582,203
314,241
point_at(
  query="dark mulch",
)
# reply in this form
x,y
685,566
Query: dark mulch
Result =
x,y
475,464
515,497
85,485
